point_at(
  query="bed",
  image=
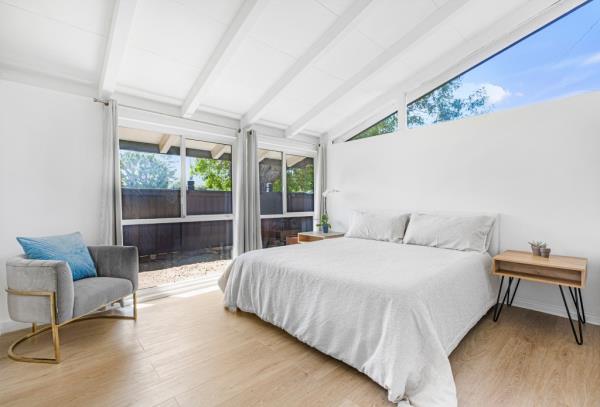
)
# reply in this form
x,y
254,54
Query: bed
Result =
x,y
393,311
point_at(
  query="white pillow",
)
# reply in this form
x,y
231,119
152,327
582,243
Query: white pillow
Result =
x,y
470,233
377,226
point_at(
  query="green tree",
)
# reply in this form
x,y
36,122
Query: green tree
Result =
x,y
300,179
387,125
215,174
145,170
442,104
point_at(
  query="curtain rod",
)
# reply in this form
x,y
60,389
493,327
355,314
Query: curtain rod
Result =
x,y
105,103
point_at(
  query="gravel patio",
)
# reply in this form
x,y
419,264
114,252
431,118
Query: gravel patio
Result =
x,y
177,274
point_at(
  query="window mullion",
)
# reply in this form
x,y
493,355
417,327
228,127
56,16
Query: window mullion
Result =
x,y
284,181
402,113
182,178
118,189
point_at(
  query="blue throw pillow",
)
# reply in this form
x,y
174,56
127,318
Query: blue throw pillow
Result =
x,y
69,248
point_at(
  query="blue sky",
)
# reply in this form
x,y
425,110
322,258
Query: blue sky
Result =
x,y
560,60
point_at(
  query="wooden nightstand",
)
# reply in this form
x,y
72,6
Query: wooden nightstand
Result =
x,y
307,237
562,271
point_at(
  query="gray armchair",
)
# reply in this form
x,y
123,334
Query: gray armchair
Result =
x,y
43,292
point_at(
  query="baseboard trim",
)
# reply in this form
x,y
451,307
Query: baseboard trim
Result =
x,y
557,310
148,294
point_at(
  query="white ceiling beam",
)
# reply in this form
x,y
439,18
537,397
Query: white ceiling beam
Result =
x,y
417,33
486,43
166,142
120,28
325,41
218,150
230,41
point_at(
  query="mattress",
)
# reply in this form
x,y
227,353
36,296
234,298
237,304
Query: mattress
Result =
x,y
393,311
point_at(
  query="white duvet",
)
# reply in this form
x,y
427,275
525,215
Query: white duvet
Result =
x,y
392,311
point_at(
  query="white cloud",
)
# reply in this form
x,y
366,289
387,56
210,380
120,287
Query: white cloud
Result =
x,y
496,93
593,59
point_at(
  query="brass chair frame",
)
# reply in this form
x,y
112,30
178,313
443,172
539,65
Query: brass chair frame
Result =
x,y
54,325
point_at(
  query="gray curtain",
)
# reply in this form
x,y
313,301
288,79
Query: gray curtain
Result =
x,y
110,204
320,181
247,195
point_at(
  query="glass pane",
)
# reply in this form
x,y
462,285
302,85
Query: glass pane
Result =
x,y
209,179
275,232
270,173
384,126
150,179
172,252
300,180
561,59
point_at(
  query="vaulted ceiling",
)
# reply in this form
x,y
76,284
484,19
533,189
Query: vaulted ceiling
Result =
x,y
303,65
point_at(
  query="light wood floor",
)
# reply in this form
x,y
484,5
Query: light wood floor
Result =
x,y
191,352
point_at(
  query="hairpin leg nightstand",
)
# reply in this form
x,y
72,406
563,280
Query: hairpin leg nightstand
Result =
x,y
306,237
562,271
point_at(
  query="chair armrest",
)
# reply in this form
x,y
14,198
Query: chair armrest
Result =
x,y
39,275
117,261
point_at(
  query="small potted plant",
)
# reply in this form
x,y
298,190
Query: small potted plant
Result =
x,y
536,247
324,225
545,251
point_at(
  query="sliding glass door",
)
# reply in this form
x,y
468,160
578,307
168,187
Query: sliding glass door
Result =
x,y
286,196
177,202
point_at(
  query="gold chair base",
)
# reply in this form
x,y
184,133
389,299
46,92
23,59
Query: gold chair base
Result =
x,y
55,326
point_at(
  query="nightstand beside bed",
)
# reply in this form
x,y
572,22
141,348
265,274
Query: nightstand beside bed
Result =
x,y
307,237
562,271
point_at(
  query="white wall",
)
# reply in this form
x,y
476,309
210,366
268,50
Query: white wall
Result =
x,y
50,166
538,166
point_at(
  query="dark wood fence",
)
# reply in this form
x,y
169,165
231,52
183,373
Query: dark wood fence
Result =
x,y
208,202
157,239
271,202
166,203
179,237
193,237
300,202
150,203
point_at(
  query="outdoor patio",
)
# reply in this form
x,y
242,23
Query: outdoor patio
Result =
x,y
170,275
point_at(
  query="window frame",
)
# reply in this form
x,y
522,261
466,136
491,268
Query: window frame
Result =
x,y
487,53
400,98
184,218
284,152
396,105
355,134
